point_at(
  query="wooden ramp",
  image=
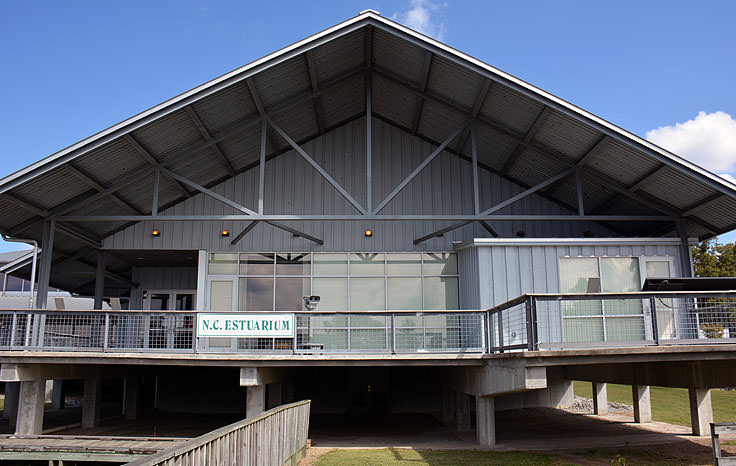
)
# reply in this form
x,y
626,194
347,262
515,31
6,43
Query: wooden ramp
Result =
x,y
82,447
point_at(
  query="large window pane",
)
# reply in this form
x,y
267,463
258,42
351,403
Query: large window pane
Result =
x,y
293,264
367,294
330,264
441,293
583,329
255,294
405,293
221,295
440,263
290,293
222,264
366,264
333,293
620,274
624,328
256,264
580,275
404,264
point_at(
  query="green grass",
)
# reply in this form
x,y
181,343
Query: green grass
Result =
x,y
669,405
653,456
397,457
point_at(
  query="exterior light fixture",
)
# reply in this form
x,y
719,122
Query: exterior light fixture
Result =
x,y
225,233
155,233
368,233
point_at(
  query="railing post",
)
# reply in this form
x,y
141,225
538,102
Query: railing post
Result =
x,y
500,331
195,338
487,344
393,333
653,310
535,323
29,319
14,323
106,332
529,324
296,333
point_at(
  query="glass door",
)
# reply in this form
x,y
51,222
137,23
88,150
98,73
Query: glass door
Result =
x,y
221,294
661,267
169,330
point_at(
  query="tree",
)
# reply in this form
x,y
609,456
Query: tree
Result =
x,y
712,259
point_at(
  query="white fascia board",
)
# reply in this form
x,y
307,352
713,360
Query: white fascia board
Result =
x,y
490,242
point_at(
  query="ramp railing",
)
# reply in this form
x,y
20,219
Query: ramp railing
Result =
x,y
564,321
275,438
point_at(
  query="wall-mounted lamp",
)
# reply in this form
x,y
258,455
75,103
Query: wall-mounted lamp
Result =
x,y
225,233
368,233
155,233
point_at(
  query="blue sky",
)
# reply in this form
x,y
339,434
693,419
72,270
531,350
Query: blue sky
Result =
x,y
660,69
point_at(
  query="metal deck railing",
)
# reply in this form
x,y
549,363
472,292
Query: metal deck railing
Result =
x,y
564,321
529,322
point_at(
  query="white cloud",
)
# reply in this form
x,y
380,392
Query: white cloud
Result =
x,y
708,140
424,16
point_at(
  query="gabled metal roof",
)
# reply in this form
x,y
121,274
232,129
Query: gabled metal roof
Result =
x,y
307,88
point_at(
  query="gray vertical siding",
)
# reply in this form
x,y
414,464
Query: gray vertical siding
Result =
x,y
294,187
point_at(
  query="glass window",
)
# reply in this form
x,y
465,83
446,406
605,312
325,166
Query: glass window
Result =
x,y
293,264
367,294
255,294
404,264
440,263
658,269
405,293
333,293
256,264
221,295
290,292
330,264
579,275
223,264
366,264
441,293
620,274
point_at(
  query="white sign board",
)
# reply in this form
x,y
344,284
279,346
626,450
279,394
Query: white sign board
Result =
x,y
245,325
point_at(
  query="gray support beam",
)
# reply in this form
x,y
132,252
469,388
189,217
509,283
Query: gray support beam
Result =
x,y
428,56
296,232
208,192
701,410
420,167
485,420
522,144
10,408
156,190
369,141
317,167
696,206
479,101
441,231
96,185
30,407
44,272
255,402
91,402
600,398
343,217
685,258
243,232
100,279
262,110
140,150
642,403
219,155
262,166
316,102
579,190
57,395
528,192
474,158
488,228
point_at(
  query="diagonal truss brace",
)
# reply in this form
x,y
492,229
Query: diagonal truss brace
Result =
x,y
421,166
528,192
317,167
208,192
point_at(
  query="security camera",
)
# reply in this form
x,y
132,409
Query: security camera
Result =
x,y
310,302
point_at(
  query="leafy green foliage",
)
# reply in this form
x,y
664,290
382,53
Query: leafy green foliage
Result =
x,y
712,259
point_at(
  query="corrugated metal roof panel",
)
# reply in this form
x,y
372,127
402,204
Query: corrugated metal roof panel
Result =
x,y
444,76
343,101
532,168
510,108
438,122
111,162
169,136
51,188
226,107
399,56
614,155
566,135
687,191
494,148
719,212
298,123
338,57
393,102
282,81
244,147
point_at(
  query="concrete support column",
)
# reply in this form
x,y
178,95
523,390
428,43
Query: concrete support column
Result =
x,y
447,406
29,420
701,410
462,411
100,279
12,394
485,421
600,398
130,401
560,390
57,395
91,403
642,403
255,402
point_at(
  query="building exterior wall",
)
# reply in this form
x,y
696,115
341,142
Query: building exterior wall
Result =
x,y
292,186
161,278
